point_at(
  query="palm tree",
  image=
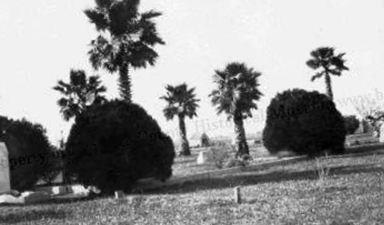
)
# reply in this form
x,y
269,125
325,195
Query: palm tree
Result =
x,y
125,39
181,102
323,58
79,93
236,93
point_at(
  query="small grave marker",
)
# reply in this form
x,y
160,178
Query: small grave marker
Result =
x,y
119,194
381,136
237,194
202,157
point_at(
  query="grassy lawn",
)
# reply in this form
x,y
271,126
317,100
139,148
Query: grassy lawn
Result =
x,y
352,193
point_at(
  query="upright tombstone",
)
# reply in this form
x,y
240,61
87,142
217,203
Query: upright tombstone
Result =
x,y
381,134
202,157
5,183
119,194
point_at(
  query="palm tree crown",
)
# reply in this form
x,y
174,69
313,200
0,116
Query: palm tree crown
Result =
x,y
126,39
324,58
237,90
181,101
79,93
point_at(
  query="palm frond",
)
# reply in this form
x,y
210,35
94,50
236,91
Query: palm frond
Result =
x,y
103,3
142,55
62,102
313,63
150,14
317,75
98,18
170,112
59,88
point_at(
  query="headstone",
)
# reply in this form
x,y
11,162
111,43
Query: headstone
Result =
x,y
202,157
381,137
237,195
119,194
59,190
5,183
54,190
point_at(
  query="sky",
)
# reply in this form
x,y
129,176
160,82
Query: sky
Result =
x,y
41,40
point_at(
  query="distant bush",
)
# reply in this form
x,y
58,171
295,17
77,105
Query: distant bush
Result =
x,y
219,155
222,143
224,156
303,122
351,124
204,140
54,167
28,152
110,146
235,162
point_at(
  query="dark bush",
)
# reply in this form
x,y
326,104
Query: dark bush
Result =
x,y
306,123
219,155
112,145
351,124
28,152
54,167
204,140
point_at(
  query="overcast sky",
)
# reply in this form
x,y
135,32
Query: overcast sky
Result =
x,y
41,40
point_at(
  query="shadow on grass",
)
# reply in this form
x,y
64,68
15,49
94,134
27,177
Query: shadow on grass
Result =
x,y
33,215
249,178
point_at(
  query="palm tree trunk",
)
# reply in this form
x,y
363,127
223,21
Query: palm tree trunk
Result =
x,y
183,137
125,83
328,86
240,139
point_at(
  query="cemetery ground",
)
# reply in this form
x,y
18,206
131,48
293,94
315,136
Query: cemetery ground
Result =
x,y
345,189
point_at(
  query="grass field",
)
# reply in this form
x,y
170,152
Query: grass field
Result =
x,y
351,193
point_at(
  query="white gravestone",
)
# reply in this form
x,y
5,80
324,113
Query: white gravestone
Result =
x,y
202,157
5,184
381,136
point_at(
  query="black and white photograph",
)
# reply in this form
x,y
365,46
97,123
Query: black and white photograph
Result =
x,y
192,112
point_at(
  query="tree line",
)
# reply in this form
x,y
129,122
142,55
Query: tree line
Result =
x,y
126,39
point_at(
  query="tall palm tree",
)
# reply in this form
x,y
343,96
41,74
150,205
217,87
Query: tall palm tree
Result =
x,y
182,102
236,93
324,58
125,39
79,93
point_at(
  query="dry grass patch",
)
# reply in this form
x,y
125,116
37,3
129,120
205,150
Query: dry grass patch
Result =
x,y
352,193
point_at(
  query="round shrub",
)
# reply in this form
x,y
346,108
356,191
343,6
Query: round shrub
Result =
x,y
110,146
306,123
351,124
204,140
28,152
